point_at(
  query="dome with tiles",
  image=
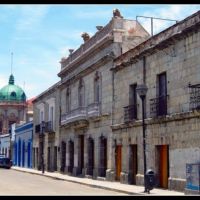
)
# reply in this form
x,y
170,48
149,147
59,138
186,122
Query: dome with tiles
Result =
x,y
12,92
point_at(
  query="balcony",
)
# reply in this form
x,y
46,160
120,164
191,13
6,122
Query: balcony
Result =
x,y
130,113
158,106
76,116
194,91
49,127
38,128
93,110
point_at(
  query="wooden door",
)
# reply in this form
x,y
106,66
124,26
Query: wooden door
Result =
x,y
49,159
103,157
71,156
163,166
118,161
90,156
63,156
133,163
55,158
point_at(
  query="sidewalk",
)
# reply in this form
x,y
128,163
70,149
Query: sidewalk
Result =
x,y
114,186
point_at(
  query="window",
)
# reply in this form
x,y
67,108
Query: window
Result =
x,y
97,87
13,95
68,100
23,97
41,116
162,94
132,94
81,93
51,116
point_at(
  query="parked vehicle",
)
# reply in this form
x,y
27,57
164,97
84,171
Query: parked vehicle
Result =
x,y
5,162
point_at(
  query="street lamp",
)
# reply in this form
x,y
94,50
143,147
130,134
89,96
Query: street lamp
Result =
x,y
43,128
142,90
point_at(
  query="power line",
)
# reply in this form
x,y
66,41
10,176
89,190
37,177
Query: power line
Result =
x,y
152,21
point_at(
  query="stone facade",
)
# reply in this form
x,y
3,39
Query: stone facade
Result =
x,y
172,123
86,99
46,108
98,115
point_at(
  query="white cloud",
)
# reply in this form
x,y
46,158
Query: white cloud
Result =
x,y
31,16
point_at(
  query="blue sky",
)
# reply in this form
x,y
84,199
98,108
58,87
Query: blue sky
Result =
x,y
40,35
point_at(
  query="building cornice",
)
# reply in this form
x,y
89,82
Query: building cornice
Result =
x,y
74,77
86,55
158,120
159,41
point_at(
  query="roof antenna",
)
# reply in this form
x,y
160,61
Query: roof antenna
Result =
x,y
11,61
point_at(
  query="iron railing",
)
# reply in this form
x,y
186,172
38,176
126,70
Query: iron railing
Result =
x,y
38,128
130,113
158,106
194,91
49,126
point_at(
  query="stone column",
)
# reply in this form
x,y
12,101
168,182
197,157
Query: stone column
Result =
x,y
110,172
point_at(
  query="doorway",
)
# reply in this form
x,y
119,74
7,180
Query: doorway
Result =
x,y
162,165
133,163
118,161
71,156
63,156
90,156
102,156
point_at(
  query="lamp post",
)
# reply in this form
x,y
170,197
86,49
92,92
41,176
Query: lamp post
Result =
x,y
142,90
43,128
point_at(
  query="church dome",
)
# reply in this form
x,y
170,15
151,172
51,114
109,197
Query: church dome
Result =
x,y
12,92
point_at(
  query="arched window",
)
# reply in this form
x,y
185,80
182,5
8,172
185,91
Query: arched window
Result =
x,y
23,97
97,87
13,95
81,93
68,100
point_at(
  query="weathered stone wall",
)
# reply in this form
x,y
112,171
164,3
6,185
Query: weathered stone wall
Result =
x,y
36,112
180,61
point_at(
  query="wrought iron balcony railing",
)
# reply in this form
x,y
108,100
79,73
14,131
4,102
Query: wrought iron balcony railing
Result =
x,y
158,106
130,113
194,91
38,128
49,127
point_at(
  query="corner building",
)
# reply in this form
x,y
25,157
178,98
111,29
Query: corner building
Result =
x,y
46,121
86,98
168,64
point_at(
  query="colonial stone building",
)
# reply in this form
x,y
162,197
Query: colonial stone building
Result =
x,y
169,65
97,113
86,98
46,119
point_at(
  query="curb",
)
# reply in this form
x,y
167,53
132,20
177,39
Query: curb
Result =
x,y
87,184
